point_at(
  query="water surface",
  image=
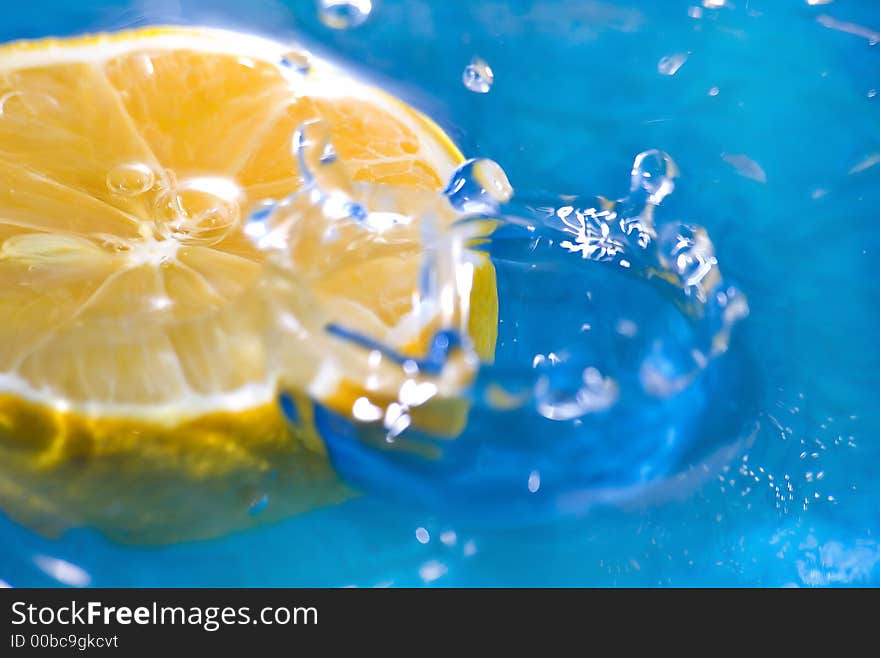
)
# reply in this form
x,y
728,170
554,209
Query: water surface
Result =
x,y
770,112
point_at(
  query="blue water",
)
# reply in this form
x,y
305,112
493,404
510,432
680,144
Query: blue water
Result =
x,y
577,94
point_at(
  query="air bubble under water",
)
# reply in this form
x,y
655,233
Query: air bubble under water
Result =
x,y
130,179
200,210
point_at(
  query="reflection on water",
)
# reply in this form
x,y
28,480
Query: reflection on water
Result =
x,y
775,141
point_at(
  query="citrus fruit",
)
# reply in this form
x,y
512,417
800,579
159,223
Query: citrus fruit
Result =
x,y
145,339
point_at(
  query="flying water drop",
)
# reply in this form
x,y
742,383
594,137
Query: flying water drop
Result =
x,y
688,251
478,186
297,61
344,14
478,76
653,172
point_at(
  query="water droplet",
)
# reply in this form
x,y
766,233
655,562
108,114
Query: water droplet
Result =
x,y
344,14
479,186
534,481
199,210
654,172
422,535
670,64
872,93
626,328
449,538
478,76
714,91
298,61
432,570
130,179
688,251
695,12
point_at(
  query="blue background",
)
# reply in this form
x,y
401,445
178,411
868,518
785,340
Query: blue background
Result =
x,y
577,95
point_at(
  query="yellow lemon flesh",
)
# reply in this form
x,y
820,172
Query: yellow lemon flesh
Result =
x,y
139,366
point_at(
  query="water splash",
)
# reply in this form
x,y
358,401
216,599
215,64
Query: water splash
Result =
x,y
402,362
641,314
624,384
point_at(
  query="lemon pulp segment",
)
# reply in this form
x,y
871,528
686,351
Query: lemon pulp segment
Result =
x,y
137,389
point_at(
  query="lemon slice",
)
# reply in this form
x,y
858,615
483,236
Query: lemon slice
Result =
x,y
144,338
